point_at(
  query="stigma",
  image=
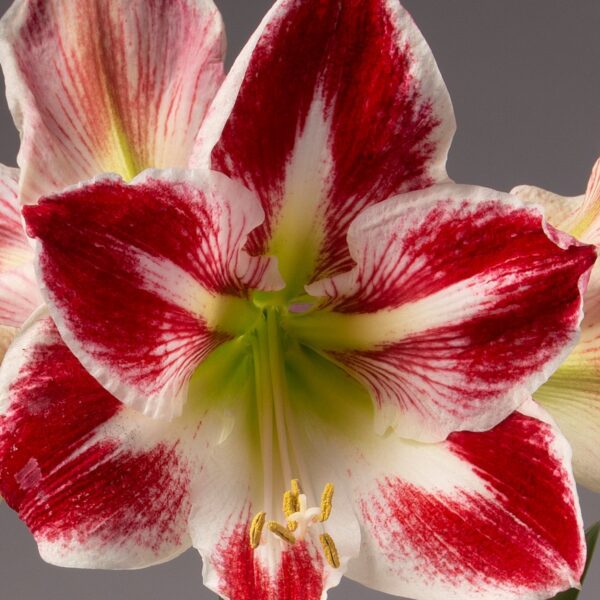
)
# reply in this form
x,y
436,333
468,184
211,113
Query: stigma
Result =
x,y
299,518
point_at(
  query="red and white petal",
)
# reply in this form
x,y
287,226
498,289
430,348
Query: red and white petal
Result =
x,y
331,107
107,86
248,473
139,278
228,494
490,515
452,284
19,292
98,484
579,217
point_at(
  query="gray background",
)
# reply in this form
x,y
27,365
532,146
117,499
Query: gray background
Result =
x,y
525,81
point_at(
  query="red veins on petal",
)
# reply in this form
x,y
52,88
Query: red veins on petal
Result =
x,y
123,496
103,292
73,486
300,574
473,286
522,534
129,273
160,217
64,414
456,241
382,127
521,439
532,311
99,86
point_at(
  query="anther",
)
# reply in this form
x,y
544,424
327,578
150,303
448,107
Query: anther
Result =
x,y
281,532
296,489
292,525
326,502
330,551
256,529
290,506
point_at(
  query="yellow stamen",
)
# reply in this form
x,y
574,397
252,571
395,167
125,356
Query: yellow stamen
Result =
x,y
256,529
281,532
290,504
330,551
296,489
326,502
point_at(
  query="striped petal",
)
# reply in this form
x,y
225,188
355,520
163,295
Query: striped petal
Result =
x,y
572,394
145,280
490,515
101,486
331,107
276,569
263,448
452,284
107,85
98,484
19,293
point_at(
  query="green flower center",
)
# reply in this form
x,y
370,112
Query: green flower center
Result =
x,y
273,371
278,388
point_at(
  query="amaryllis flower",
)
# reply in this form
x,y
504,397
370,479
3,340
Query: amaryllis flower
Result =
x,y
311,355
572,395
